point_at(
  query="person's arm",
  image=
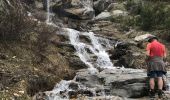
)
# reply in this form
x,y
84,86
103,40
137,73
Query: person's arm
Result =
x,y
148,50
164,53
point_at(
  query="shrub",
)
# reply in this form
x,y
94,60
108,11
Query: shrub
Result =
x,y
153,15
13,19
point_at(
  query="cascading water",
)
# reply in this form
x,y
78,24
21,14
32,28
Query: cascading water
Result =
x,y
62,89
48,11
85,52
103,60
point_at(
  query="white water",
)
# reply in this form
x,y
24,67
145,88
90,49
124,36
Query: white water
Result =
x,y
48,12
96,49
103,60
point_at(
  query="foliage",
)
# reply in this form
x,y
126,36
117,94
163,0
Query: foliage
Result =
x,y
151,15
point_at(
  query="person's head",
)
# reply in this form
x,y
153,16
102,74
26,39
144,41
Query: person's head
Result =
x,y
151,38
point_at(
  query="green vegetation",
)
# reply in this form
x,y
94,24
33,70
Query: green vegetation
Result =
x,y
148,15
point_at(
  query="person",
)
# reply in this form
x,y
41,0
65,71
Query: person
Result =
x,y
156,53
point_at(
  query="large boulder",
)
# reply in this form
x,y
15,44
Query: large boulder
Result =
x,y
103,16
116,6
125,82
76,9
119,13
142,37
101,5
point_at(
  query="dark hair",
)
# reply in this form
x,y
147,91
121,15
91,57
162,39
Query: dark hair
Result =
x,y
151,38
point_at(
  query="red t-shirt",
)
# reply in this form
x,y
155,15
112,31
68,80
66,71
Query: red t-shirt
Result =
x,y
156,49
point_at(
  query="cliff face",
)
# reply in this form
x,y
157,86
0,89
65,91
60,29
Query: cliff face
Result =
x,y
34,57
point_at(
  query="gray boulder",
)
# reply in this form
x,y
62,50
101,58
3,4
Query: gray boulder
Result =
x,y
103,16
75,9
119,82
76,63
142,37
119,13
101,5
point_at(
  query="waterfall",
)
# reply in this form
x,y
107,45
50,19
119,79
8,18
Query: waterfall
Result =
x,y
103,60
48,11
86,52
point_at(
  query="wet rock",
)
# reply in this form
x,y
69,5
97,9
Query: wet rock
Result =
x,y
122,45
64,44
40,96
84,76
124,83
86,93
120,82
72,94
73,86
107,98
76,63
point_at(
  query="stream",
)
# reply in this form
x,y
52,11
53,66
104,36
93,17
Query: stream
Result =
x,y
101,79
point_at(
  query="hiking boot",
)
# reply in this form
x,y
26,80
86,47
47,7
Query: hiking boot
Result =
x,y
152,93
160,93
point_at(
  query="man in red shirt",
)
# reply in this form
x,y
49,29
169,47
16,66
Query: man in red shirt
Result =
x,y
155,52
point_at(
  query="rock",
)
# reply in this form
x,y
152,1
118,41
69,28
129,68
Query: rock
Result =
x,y
121,82
124,83
76,63
117,13
121,45
75,9
107,98
3,56
86,93
142,37
132,58
40,96
29,2
95,28
73,86
101,5
21,92
117,6
103,16
15,94
109,15
63,44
